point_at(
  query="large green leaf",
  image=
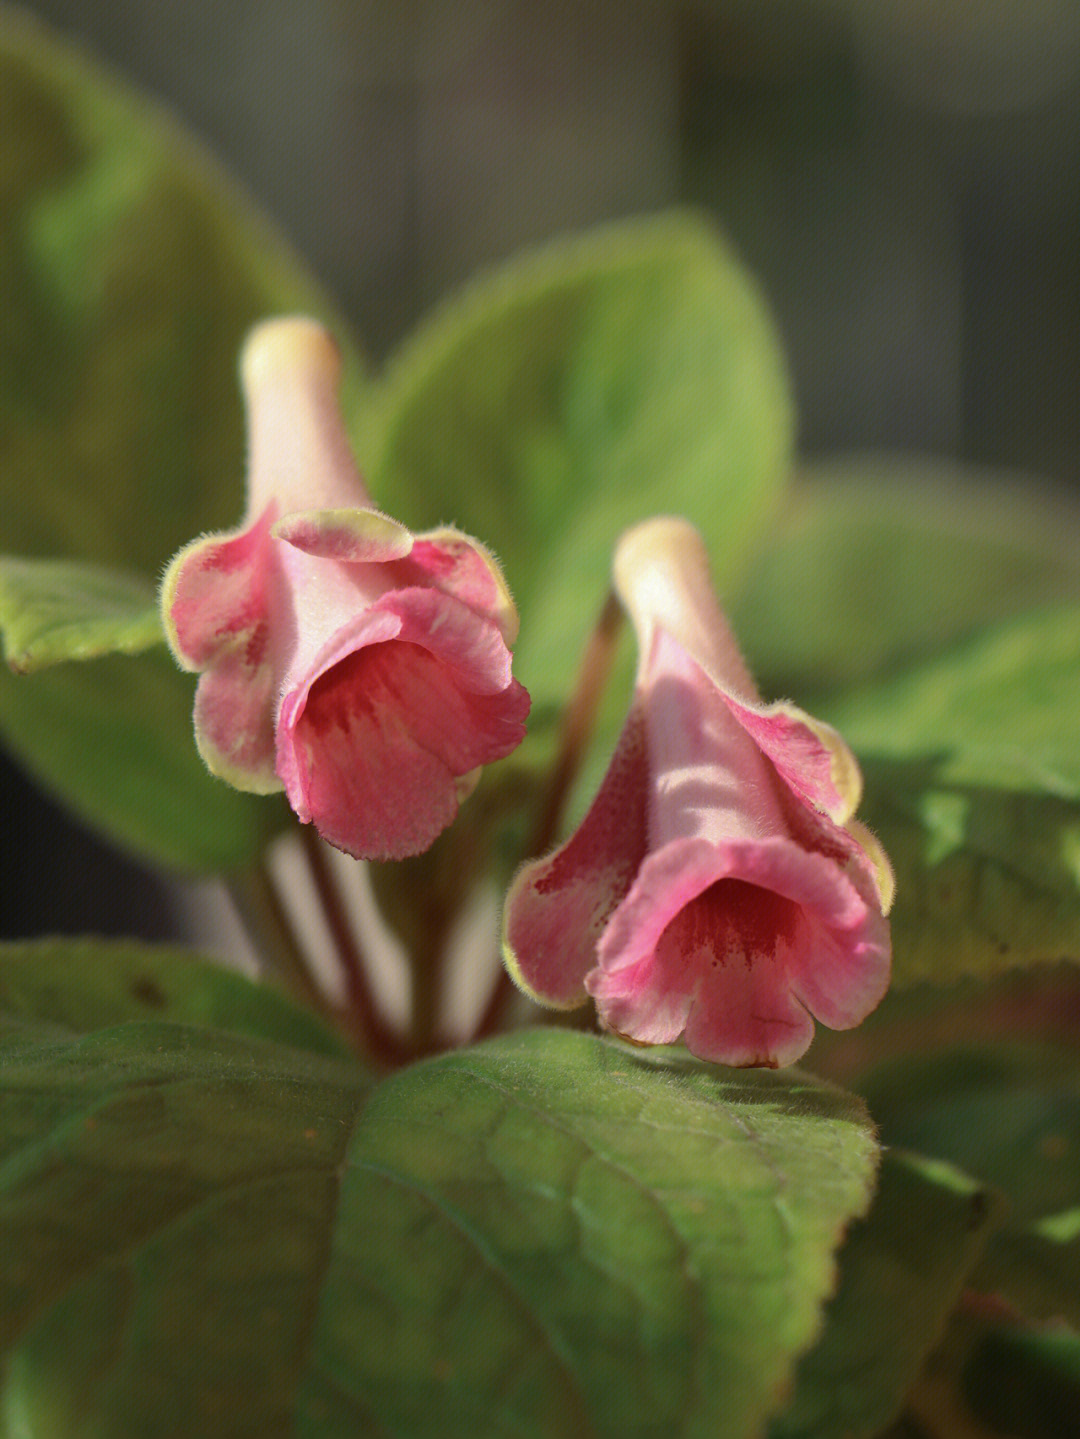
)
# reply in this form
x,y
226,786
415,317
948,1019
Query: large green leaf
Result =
x,y
1010,1115
130,271
877,561
901,1270
989,710
600,1242
547,1235
626,373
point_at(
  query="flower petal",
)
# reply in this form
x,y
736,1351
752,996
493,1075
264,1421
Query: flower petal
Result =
x,y
354,536
460,566
469,645
733,936
758,1024
215,591
373,752
709,778
809,755
234,718
854,848
557,906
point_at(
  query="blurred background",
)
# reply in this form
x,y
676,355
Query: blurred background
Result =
x,y
903,177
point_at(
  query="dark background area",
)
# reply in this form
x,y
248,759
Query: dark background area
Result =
x,y
901,175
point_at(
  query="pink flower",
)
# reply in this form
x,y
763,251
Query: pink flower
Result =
x,y
363,669
718,886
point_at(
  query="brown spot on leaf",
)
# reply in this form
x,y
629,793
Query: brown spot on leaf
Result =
x,y
148,991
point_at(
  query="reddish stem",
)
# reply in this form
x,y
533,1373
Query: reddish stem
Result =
x,y
257,902
575,732
371,1035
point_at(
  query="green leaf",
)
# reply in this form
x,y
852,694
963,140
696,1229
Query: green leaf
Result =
x,y
138,779
1038,1267
990,709
901,1271
53,610
1010,1115
887,603
131,271
628,372
547,1235
621,1243
973,786
84,985
876,562
1040,1004
166,1198
1026,1382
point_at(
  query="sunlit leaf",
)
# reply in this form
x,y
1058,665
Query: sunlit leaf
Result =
x,y
549,1234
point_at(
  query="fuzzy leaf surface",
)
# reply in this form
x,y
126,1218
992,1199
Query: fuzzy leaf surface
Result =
x,y
54,610
545,1235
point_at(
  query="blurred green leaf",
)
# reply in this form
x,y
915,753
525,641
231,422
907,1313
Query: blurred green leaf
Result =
x,y
53,610
548,1234
901,1270
138,778
1025,1382
82,985
989,709
1010,1115
1041,1004
877,561
888,603
131,270
628,372
973,786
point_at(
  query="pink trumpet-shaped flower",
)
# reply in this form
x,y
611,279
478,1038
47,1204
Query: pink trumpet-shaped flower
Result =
x,y
363,669
718,887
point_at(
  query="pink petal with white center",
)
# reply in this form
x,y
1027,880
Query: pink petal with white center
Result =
x,y
362,669
557,906
353,536
215,591
723,934
376,747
